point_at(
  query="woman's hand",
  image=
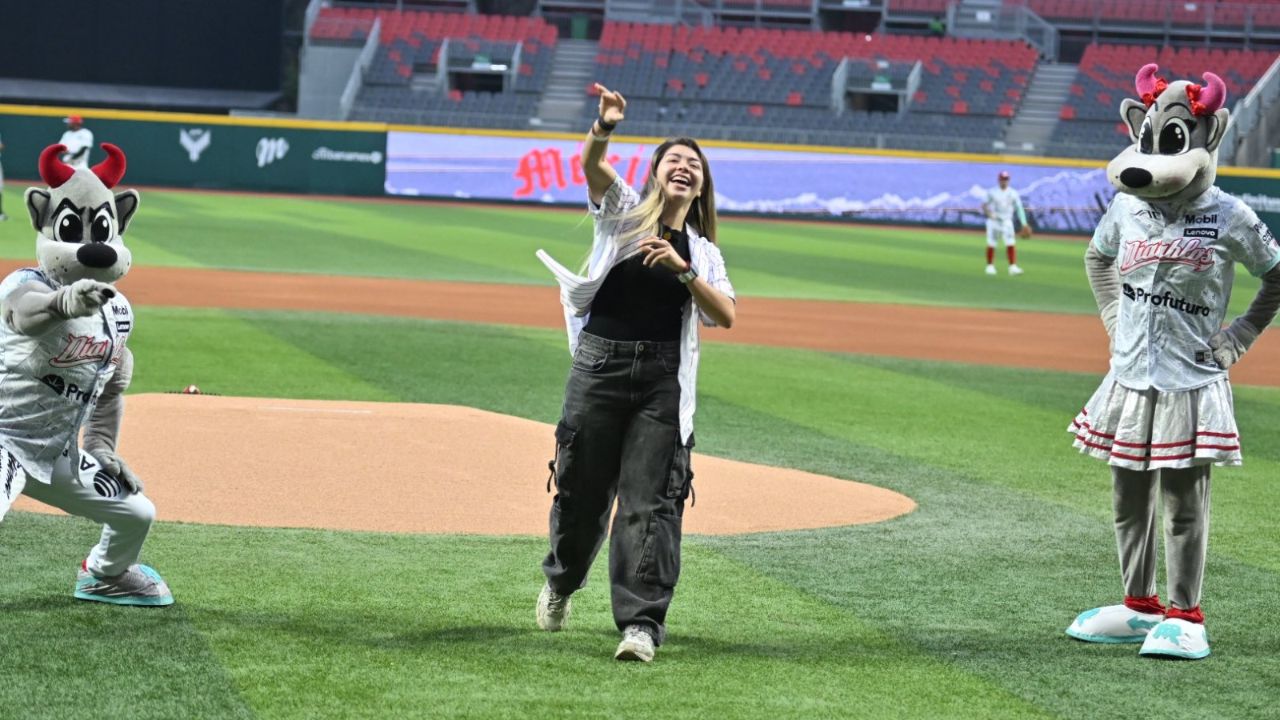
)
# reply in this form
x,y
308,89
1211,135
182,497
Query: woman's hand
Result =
x,y
613,106
659,252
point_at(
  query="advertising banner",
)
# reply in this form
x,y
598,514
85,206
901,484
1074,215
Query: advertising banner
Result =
x,y
863,187
202,155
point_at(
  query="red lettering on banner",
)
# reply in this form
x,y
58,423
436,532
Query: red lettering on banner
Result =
x,y
540,170
631,169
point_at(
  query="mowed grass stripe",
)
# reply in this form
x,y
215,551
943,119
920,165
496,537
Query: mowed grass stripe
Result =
x,y
987,577
223,353
1017,443
67,658
364,625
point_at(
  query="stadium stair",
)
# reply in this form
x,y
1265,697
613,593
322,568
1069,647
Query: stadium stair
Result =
x,y
572,67
1038,116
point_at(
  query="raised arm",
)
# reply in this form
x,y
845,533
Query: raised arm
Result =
x,y
34,308
600,174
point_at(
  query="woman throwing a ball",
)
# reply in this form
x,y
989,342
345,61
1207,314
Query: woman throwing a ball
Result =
x,y
626,429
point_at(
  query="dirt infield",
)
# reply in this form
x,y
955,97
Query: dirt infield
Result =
x,y
403,467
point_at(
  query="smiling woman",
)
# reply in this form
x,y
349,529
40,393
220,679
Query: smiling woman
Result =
x,y
627,425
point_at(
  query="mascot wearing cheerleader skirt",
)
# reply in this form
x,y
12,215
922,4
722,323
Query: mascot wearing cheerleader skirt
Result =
x,y
1161,265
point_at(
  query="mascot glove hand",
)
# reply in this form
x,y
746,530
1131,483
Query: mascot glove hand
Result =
x,y
1230,343
116,468
82,298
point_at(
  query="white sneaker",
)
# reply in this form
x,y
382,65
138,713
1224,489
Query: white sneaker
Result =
x,y
1113,624
3,217
1015,270
553,609
1177,638
991,269
636,645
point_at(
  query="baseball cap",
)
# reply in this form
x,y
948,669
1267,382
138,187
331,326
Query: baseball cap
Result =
x,y
73,119
1004,175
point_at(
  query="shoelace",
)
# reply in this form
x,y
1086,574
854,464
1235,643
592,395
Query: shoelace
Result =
x,y
556,602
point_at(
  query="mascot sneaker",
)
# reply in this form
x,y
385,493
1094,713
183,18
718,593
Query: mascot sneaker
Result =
x,y
139,585
636,645
553,609
1113,624
1177,638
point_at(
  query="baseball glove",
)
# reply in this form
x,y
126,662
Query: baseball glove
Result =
x,y
1024,232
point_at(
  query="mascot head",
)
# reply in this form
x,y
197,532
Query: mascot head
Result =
x,y
1175,129
79,221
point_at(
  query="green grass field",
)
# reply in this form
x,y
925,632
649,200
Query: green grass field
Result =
x,y
955,610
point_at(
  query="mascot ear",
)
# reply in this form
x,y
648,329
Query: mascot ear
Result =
x,y
126,206
38,206
1217,128
1133,113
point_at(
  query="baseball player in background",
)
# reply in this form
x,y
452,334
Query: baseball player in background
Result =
x,y
1001,204
64,366
78,140
1161,265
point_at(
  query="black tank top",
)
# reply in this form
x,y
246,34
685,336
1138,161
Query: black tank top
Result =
x,y
640,303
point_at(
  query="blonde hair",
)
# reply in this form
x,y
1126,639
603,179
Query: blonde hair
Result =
x,y
643,220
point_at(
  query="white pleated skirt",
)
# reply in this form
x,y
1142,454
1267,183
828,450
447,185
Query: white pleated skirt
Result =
x,y
1150,429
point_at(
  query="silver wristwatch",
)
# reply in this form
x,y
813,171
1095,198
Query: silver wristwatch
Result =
x,y
687,276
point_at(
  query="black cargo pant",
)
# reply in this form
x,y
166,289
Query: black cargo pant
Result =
x,y
619,436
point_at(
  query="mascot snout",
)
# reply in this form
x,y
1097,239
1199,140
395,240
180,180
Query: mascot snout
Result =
x,y
96,255
1135,177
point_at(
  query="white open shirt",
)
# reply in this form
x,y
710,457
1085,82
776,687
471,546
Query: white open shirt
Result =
x,y
578,292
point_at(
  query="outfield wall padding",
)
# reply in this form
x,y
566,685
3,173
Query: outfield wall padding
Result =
x,y
189,153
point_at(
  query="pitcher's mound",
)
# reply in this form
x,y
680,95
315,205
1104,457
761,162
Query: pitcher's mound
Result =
x,y
402,467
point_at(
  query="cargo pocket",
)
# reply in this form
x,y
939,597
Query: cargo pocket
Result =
x,y
680,479
589,360
558,465
660,558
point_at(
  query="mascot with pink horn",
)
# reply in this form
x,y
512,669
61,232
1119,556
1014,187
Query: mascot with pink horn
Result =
x,y
64,366
1161,265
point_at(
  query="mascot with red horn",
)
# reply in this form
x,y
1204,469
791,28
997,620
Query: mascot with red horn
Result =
x,y
1161,265
64,367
